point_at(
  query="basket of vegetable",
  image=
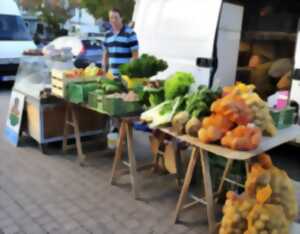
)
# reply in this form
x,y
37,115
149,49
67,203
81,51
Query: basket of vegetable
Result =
x,y
95,99
77,92
122,104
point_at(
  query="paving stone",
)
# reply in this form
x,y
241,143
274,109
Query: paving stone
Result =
x,y
41,194
11,229
6,222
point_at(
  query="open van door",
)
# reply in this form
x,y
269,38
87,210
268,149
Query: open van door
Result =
x,y
184,34
295,88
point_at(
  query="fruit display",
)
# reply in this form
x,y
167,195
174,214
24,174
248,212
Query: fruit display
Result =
x,y
88,72
268,204
242,138
236,210
74,73
92,70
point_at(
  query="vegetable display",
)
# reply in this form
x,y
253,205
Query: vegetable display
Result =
x,y
154,93
178,84
234,108
265,173
196,106
111,86
242,138
259,108
236,210
198,103
268,204
144,67
163,113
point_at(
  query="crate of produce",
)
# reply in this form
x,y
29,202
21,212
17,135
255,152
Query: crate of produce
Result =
x,y
77,92
61,78
116,105
283,118
95,99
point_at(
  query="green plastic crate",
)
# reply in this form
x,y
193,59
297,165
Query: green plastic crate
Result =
x,y
78,92
95,99
283,118
118,107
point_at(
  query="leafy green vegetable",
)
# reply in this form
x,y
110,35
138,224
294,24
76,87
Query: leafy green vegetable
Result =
x,y
111,86
144,67
163,113
156,98
178,85
198,103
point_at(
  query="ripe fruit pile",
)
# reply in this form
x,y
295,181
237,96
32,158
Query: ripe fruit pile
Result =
x,y
268,205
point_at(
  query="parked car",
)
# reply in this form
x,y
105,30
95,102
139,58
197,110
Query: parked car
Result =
x,y
85,50
14,39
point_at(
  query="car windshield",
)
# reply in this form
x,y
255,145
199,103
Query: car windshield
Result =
x,y
12,28
92,44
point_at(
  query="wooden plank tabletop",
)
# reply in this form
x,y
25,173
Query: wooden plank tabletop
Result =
x,y
282,136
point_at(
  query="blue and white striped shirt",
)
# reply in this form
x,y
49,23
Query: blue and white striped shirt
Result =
x,y
120,47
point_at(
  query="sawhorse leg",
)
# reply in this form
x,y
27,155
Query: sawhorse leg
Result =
x,y
226,172
198,154
72,121
126,132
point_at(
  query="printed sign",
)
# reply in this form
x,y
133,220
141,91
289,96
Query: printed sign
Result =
x,y
14,117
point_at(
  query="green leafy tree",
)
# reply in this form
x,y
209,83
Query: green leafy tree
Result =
x,y
52,12
100,8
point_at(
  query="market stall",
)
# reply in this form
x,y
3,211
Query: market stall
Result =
x,y
43,113
233,122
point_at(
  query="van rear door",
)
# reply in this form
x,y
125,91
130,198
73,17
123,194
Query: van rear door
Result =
x,y
181,32
295,88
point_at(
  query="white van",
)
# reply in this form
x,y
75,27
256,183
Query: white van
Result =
x,y
14,39
186,35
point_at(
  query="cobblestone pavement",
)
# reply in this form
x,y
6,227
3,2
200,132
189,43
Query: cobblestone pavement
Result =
x,y
52,194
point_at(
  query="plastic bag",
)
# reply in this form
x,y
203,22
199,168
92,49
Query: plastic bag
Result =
x,y
236,211
265,173
267,219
